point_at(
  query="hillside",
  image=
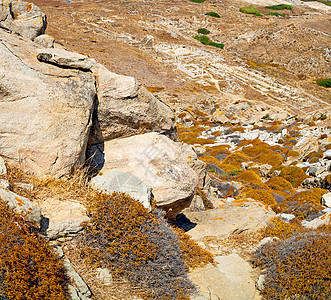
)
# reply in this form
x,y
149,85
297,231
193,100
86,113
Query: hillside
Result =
x,y
165,150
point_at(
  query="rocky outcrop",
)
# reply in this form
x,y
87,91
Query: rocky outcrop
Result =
x,y
123,107
158,161
45,111
48,106
23,18
126,108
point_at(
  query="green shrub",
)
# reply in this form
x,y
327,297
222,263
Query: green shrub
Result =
x,y
294,175
198,1
213,14
324,82
279,7
296,268
29,269
135,244
206,41
217,45
250,9
325,2
275,14
203,31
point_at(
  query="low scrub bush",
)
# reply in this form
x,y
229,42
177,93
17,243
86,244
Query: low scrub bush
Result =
x,y
258,195
279,7
251,179
206,41
135,244
250,9
296,268
281,229
324,82
294,175
203,31
213,14
280,186
193,255
275,14
305,203
198,1
29,269
236,158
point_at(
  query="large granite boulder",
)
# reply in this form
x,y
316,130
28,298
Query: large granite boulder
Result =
x,y
159,162
45,110
126,108
23,18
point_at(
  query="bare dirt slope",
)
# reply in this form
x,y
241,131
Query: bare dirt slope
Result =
x,y
271,59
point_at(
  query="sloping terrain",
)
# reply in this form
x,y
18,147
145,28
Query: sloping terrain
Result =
x,y
270,58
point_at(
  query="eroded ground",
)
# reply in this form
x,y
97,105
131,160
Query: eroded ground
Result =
x,y
271,59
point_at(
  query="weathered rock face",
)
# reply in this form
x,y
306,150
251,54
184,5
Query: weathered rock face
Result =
x,y
45,111
64,58
231,279
62,218
158,161
125,108
23,18
118,181
22,205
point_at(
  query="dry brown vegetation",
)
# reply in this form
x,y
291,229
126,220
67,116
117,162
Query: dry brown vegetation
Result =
x,y
299,266
29,268
137,246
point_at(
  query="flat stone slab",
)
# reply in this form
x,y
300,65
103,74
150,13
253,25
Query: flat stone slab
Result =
x,y
62,218
231,217
118,181
230,279
64,58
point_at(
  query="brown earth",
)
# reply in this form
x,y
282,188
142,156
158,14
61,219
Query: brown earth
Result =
x,y
271,59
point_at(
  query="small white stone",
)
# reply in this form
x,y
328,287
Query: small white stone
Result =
x,y
3,169
328,154
326,200
105,276
260,282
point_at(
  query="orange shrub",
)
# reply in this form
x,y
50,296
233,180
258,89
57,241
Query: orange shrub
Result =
x,y
29,269
236,159
259,195
294,175
304,203
296,268
135,244
280,186
250,178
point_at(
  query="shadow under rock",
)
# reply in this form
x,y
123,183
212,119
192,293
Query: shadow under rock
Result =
x,y
181,221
